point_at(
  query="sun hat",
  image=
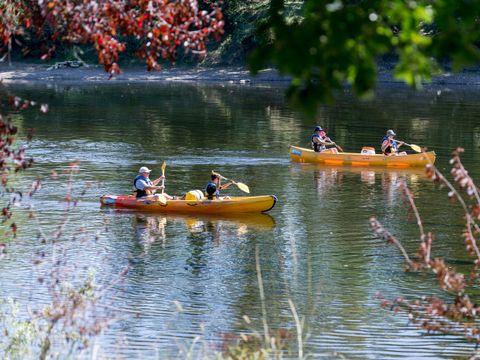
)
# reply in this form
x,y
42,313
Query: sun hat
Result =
x,y
144,169
318,128
391,132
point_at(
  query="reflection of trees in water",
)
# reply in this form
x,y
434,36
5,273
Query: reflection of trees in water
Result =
x,y
171,114
476,136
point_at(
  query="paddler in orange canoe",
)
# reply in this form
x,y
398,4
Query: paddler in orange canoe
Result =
x,y
320,141
390,145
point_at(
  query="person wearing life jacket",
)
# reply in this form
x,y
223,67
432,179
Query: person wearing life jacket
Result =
x,y
144,186
214,186
390,145
320,140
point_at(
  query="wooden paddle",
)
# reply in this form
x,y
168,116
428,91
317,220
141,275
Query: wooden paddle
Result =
x,y
338,147
164,165
333,143
240,185
413,146
162,199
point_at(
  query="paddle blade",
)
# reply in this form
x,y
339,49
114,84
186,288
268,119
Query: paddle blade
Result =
x,y
164,165
416,148
243,187
161,199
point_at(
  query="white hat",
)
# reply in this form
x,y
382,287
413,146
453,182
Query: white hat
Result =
x,y
144,169
391,133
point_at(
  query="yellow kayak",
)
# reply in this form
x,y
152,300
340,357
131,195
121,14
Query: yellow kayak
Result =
x,y
303,155
235,204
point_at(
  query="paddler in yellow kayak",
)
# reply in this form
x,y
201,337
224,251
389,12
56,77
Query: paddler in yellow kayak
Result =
x,y
214,186
144,186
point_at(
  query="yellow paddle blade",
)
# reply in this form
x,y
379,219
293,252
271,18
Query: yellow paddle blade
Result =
x,y
162,199
416,148
243,187
164,165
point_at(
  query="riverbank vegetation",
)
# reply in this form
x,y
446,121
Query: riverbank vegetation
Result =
x,y
323,45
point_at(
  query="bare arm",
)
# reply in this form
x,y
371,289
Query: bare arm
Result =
x,y
156,181
224,186
154,187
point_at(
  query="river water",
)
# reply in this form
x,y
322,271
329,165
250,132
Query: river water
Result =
x,y
192,280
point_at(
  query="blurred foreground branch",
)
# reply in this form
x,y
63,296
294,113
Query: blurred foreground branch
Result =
x,y
460,314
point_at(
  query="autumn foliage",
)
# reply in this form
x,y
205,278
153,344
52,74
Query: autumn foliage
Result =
x,y
163,27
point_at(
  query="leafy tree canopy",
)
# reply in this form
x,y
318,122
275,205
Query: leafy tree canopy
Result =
x,y
334,42
161,26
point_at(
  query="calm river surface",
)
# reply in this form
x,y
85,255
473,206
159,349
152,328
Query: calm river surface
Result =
x,y
194,276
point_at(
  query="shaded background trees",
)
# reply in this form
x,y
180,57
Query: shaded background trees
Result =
x,y
338,42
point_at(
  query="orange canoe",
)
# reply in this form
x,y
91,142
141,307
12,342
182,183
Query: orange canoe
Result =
x,y
303,155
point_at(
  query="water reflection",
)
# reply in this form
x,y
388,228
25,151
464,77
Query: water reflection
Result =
x,y
327,179
318,251
152,228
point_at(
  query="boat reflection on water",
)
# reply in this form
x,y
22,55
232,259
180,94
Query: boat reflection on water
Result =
x,y
153,227
327,177
242,222
150,229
